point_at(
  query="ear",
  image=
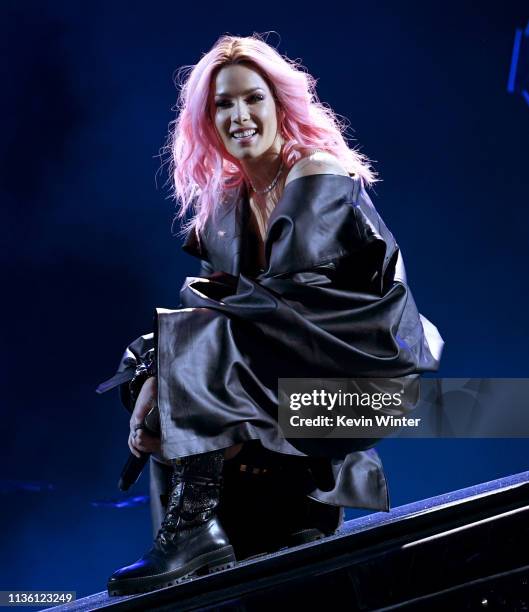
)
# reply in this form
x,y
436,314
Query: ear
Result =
x,y
280,117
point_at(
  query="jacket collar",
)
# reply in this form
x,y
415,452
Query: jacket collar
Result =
x,y
225,241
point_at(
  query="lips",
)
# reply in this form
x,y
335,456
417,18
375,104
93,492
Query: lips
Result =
x,y
244,134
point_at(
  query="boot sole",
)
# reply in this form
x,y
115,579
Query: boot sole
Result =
x,y
208,563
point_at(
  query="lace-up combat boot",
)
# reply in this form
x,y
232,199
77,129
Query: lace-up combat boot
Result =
x,y
191,540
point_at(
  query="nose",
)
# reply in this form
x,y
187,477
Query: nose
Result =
x,y
240,112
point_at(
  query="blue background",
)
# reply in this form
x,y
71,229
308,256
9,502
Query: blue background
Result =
x,y
88,252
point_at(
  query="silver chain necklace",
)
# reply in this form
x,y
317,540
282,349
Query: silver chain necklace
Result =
x,y
272,184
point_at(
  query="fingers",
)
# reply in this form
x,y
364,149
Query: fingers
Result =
x,y
140,440
131,446
146,442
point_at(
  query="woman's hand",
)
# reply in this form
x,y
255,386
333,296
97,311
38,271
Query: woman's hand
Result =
x,y
140,439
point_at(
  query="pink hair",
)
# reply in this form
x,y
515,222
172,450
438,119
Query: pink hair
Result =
x,y
202,170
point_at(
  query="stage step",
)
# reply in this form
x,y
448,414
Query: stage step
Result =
x,y
468,549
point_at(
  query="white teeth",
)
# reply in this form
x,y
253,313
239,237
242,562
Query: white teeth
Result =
x,y
244,134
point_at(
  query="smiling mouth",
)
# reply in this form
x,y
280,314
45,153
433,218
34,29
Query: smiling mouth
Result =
x,y
244,135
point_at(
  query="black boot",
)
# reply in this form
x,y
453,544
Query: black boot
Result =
x,y
191,539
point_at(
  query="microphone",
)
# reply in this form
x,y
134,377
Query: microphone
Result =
x,y
132,470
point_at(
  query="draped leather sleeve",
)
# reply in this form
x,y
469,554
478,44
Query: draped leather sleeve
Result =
x,y
329,221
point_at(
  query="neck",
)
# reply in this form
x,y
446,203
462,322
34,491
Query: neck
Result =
x,y
263,170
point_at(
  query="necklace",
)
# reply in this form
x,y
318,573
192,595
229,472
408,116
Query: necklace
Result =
x,y
272,184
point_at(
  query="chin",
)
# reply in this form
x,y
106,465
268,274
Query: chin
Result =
x,y
247,155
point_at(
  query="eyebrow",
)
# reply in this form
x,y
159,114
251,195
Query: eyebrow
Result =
x,y
244,93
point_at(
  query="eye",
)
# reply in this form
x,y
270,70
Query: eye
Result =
x,y
251,100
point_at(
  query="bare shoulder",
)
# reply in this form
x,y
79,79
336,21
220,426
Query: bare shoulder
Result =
x,y
319,162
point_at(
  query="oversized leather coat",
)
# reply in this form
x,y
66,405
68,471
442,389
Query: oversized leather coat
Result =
x,y
333,301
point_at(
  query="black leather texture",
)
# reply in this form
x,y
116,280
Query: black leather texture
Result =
x,y
332,302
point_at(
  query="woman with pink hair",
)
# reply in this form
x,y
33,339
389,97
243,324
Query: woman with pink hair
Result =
x,y
300,278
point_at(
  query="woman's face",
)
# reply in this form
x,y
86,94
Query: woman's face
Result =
x,y
245,113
